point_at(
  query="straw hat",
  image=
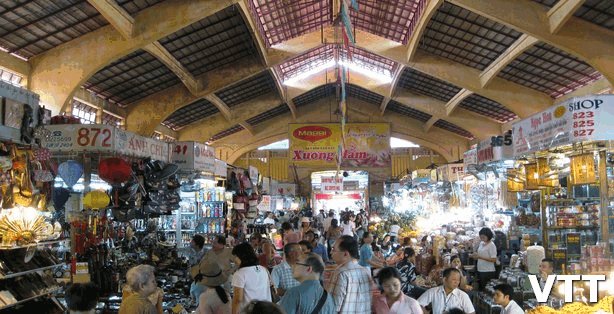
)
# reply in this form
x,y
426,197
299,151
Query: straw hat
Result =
x,y
213,275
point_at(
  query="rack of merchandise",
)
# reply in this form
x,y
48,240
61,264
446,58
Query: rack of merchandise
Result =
x,y
27,274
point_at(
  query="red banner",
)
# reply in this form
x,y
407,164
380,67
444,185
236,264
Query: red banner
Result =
x,y
353,196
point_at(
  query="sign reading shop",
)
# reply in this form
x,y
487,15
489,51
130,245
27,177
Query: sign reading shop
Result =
x,y
576,120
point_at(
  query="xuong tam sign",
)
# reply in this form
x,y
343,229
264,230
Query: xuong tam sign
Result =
x,y
366,144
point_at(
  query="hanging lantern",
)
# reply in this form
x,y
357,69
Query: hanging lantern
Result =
x,y
60,197
547,177
532,176
114,170
96,200
70,171
582,169
514,183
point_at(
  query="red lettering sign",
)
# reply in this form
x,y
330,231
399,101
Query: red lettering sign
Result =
x,y
312,133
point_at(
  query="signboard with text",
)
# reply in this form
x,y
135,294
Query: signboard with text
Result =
x,y
495,148
331,184
470,157
575,120
366,144
194,156
103,138
450,172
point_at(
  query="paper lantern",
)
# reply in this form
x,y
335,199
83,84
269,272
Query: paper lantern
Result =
x,y
582,169
514,183
70,171
547,177
60,197
532,176
96,200
114,170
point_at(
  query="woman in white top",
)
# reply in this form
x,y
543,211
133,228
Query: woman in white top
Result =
x,y
214,300
348,226
251,281
486,257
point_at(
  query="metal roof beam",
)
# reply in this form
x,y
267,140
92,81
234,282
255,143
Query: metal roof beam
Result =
x,y
121,20
587,41
512,52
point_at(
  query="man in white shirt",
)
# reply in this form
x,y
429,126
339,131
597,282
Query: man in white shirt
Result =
x,y
447,296
394,231
270,219
503,296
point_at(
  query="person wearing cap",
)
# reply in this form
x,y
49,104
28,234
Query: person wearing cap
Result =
x,y
214,300
305,226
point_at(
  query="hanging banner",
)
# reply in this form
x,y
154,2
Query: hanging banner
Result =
x,y
423,176
265,204
495,149
450,172
193,156
325,196
331,184
575,120
132,144
103,138
314,144
470,157
350,185
80,138
367,145
221,168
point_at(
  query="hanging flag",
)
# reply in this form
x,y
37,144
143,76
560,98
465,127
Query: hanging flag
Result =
x,y
351,3
345,18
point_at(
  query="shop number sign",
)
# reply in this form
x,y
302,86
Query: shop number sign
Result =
x,y
193,156
578,119
79,137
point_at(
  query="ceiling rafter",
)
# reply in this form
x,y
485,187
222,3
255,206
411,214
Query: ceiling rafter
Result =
x,y
456,100
429,124
393,85
587,41
517,48
224,109
561,12
426,15
158,51
121,20
283,92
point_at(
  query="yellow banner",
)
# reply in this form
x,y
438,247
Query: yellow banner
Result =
x,y
314,144
366,144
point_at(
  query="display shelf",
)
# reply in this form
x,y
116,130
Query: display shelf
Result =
x,y
187,230
574,227
13,275
579,199
42,243
56,289
188,213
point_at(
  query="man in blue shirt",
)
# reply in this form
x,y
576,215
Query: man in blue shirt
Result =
x,y
318,248
304,298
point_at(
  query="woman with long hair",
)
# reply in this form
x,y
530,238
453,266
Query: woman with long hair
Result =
x,y
407,269
214,300
251,281
332,234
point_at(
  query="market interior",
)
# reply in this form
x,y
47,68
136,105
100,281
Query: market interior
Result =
x,y
409,141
